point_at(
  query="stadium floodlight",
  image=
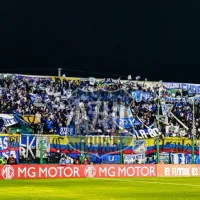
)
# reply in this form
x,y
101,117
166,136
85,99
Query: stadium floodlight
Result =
x,y
59,71
129,77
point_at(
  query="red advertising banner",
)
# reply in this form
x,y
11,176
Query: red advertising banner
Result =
x,y
178,170
76,171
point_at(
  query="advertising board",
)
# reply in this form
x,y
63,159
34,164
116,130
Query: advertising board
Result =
x,y
76,171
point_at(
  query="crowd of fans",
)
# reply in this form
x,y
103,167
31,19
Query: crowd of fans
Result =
x,y
76,161
86,106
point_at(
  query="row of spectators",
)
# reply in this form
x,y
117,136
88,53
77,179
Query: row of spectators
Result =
x,y
77,161
94,107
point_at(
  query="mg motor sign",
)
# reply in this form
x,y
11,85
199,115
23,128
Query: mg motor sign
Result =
x,y
117,171
76,171
90,171
96,171
7,172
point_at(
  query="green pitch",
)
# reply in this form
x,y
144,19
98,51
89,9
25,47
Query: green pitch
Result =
x,y
95,189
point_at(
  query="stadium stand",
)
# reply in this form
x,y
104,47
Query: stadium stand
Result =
x,y
89,106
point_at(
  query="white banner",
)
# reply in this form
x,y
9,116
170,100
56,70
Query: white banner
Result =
x,y
134,158
9,120
173,130
92,80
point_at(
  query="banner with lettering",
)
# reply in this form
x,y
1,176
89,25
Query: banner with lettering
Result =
x,y
178,170
69,130
27,146
110,159
127,122
146,133
134,158
171,85
8,120
9,144
76,171
181,158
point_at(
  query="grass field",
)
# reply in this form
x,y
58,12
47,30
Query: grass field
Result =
x,y
95,189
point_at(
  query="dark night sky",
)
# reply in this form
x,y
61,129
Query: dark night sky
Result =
x,y
153,39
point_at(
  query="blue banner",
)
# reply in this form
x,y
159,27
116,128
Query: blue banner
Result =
x,y
69,130
193,88
28,146
141,96
184,86
127,122
111,159
181,158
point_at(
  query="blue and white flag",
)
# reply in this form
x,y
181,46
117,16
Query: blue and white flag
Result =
x,y
8,120
127,122
69,130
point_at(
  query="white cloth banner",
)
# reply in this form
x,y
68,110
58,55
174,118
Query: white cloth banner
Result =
x,y
92,80
9,120
172,129
134,158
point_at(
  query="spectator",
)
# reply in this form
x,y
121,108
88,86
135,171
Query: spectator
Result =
x,y
63,160
3,129
86,161
3,161
11,160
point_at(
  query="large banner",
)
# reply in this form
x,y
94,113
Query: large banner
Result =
x,y
28,146
76,171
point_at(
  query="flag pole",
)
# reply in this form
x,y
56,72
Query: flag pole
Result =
x,y
157,138
193,132
41,152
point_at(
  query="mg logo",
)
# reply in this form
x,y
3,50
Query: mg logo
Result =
x,y
7,172
89,171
